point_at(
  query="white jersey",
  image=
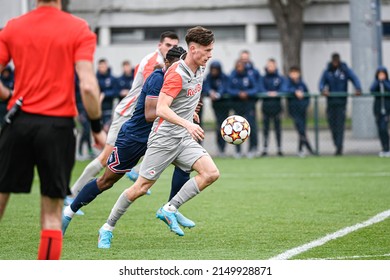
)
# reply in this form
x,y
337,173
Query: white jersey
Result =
x,y
143,70
185,86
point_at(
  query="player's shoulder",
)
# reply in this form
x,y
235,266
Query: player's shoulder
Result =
x,y
156,76
150,57
174,72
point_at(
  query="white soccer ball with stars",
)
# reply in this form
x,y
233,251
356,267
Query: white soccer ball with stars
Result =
x,y
235,130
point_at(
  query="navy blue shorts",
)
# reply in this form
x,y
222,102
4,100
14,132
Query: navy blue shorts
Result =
x,y
125,155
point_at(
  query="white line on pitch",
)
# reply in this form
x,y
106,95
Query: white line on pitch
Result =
x,y
321,241
353,257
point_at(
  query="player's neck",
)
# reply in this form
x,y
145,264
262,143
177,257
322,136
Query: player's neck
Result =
x,y
191,64
54,4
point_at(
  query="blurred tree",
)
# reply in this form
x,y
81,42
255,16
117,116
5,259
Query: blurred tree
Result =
x,y
288,15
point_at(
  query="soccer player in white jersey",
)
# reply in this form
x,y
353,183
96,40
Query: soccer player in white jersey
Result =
x,y
174,136
125,109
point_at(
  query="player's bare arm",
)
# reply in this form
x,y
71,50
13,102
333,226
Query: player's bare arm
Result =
x,y
164,111
90,95
89,88
5,93
150,109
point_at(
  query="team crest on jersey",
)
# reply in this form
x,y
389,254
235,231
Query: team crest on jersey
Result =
x,y
194,91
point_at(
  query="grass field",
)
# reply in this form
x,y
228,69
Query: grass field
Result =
x,y
258,209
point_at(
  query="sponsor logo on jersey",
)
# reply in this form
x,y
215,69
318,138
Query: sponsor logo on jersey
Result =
x,y
194,91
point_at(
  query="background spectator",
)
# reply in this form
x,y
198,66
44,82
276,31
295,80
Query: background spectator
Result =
x,y
215,85
125,81
298,102
242,89
249,66
85,133
334,85
109,91
272,84
381,88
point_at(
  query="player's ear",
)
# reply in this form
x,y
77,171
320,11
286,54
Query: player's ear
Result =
x,y
192,47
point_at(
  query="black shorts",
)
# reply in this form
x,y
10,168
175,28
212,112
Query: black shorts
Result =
x,y
47,143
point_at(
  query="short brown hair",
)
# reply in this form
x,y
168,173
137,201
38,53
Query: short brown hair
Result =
x,y
168,34
199,35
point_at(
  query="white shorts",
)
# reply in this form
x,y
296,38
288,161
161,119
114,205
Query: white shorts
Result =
x,y
181,152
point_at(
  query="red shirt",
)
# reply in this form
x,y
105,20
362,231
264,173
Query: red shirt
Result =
x,y
44,45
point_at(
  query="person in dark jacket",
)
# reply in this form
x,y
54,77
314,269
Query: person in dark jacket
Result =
x,y
381,89
215,87
249,66
109,90
298,102
125,81
272,84
243,89
85,137
7,78
334,85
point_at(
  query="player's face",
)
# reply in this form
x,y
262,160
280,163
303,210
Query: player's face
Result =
x,y
166,45
202,54
169,64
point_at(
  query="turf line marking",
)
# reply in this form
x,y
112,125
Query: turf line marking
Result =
x,y
353,257
321,241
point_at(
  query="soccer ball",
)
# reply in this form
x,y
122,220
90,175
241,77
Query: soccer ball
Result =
x,y
235,130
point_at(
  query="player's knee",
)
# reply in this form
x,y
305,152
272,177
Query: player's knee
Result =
x,y
105,183
143,190
212,175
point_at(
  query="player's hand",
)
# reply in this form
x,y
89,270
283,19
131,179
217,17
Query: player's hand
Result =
x,y
358,92
100,139
196,118
199,106
325,92
196,131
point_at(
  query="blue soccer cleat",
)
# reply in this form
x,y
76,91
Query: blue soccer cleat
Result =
x,y
132,175
68,201
65,223
170,219
183,221
104,240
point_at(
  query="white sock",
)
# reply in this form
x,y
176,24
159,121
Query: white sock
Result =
x,y
169,208
108,227
68,212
